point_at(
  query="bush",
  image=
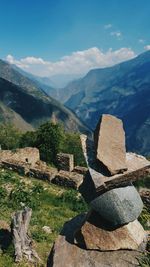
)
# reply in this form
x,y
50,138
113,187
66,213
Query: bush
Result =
x,y
72,145
25,196
8,177
74,201
3,193
49,140
9,136
28,139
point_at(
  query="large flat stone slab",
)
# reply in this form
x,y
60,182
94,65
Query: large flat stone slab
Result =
x,y
119,206
65,254
109,139
138,167
94,236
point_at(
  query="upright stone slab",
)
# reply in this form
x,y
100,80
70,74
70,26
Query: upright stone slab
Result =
x,y
109,139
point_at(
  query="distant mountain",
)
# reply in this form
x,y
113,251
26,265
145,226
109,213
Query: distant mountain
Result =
x,y
8,115
41,83
62,80
22,96
122,90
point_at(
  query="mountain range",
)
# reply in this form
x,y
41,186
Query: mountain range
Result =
x,y
24,102
122,90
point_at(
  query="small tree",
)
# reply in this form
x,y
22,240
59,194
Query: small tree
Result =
x,y
28,139
50,138
72,145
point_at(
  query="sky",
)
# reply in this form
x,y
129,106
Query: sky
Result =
x,y
70,37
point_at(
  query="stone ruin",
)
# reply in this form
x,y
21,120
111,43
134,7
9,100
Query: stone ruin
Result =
x,y
27,155
109,234
65,162
26,161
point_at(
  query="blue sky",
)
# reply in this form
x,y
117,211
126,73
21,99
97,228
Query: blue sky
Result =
x,y
36,34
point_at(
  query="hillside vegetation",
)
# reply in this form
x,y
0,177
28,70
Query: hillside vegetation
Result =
x,y
52,206
49,138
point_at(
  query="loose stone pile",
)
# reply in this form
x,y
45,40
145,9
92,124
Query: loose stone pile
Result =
x,y
111,224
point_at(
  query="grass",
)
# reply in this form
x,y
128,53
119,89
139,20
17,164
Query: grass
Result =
x,y
52,206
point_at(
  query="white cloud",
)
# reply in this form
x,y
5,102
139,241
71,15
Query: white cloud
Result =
x,y
117,34
147,47
78,63
141,41
107,26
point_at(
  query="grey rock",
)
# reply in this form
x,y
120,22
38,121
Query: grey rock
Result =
x,y
119,206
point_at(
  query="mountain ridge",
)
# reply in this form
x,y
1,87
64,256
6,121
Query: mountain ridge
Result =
x,y
121,90
24,97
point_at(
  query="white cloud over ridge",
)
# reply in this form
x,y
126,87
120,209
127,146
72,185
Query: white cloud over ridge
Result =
x,y
78,63
147,47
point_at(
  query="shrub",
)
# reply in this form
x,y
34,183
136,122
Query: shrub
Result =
x,y
49,140
9,136
28,139
25,196
74,201
3,193
72,145
8,177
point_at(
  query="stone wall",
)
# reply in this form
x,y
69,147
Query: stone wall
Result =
x,y
26,161
16,166
65,162
28,155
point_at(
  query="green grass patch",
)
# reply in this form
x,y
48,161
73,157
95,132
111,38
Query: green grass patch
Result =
x,y
51,205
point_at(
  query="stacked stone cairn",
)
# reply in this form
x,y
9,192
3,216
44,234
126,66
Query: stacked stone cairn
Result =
x,y
109,234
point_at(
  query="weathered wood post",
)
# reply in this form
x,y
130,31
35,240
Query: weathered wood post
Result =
x,y
22,241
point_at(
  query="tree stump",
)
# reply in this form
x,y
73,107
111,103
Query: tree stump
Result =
x,y
22,241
